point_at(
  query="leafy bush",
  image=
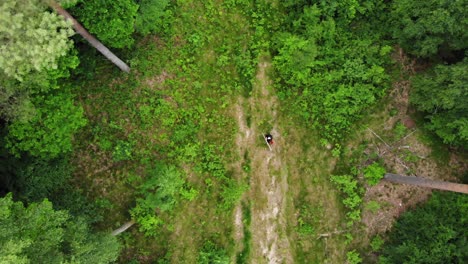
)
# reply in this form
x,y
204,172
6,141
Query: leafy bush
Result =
x,y
400,130
112,21
145,216
122,151
153,16
348,185
374,173
162,189
50,132
211,162
210,253
353,257
231,194
331,72
308,219
376,243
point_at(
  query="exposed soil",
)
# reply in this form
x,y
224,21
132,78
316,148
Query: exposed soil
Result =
x,y
268,178
406,155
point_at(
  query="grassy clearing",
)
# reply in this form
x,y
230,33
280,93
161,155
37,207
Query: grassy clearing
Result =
x,y
173,108
176,107
314,207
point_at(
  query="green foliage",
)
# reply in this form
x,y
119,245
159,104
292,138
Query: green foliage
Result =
x,y
148,221
373,206
331,71
31,38
122,151
75,201
39,234
111,20
37,179
153,16
211,253
442,94
435,232
353,257
212,163
400,130
231,194
14,104
16,100
425,28
376,243
243,256
162,189
308,219
50,132
374,173
349,186
33,179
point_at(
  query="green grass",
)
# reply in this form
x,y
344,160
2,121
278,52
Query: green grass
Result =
x,y
243,256
172,108
175,108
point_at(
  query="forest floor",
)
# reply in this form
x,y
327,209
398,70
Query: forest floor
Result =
x,y
393,134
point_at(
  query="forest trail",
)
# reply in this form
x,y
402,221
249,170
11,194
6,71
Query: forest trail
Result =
x,y
268,174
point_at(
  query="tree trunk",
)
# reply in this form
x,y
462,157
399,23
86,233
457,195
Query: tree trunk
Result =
x,y
418,181
92,40
123,228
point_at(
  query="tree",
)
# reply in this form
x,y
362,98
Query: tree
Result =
x,y
38,234
422,182
152,16
435,232
50,132
91,40
425,28
31,38
441,93
17,97
330,68
36,179
15,104
112,21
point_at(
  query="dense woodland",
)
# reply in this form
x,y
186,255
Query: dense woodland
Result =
x,y
86,147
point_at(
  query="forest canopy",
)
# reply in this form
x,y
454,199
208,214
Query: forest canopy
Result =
x,y
435,232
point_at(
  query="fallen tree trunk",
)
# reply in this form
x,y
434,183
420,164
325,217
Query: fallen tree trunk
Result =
x,y
123,228
86,35
422,182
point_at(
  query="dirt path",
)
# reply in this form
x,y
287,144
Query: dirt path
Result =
x,y
268,178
